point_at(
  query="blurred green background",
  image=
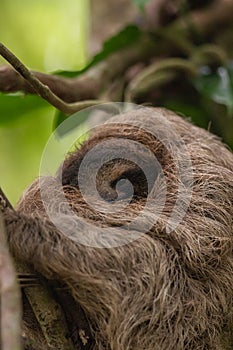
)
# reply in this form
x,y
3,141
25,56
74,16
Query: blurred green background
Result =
x,y
53,35
46,36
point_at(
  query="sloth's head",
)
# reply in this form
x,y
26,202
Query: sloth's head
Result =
x,y
168,185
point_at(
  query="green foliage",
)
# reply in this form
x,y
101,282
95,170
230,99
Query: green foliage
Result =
x,y
71,122
27,121
21,146
41,34
195,111
125,38
14,106
218,85
59,118
140,4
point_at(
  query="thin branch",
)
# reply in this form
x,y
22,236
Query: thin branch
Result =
x,y
42,89
94,81
209,54
213,18
89,85
158,73
65,88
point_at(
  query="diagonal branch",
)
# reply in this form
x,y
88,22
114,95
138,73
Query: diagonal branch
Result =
x,y
42,89
12,81
94,81
84,87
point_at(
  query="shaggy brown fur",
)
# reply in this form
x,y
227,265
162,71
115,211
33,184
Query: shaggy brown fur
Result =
x,y
166,290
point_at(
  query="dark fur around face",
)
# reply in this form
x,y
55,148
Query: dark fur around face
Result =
x,y
166,290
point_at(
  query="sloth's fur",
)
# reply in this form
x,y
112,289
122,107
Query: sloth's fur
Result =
x,y
166,290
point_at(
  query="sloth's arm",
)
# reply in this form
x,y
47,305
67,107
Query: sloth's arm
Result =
x,y
38,242
28,237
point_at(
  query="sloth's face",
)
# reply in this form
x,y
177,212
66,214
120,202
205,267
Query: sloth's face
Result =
x,y
167,166
120,163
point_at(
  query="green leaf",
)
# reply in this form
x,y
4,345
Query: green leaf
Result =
x,y
59,118
140,4
128,36
188,109
72,122
13,106
217,86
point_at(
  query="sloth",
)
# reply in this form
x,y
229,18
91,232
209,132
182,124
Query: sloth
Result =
x,y
138,225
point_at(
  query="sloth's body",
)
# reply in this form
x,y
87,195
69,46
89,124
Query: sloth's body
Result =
x,y
167,289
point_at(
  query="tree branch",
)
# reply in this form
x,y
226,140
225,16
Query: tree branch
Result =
x,y
10,297
94,81
12,81
214,18
42,89
158,73
87,86
46,309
